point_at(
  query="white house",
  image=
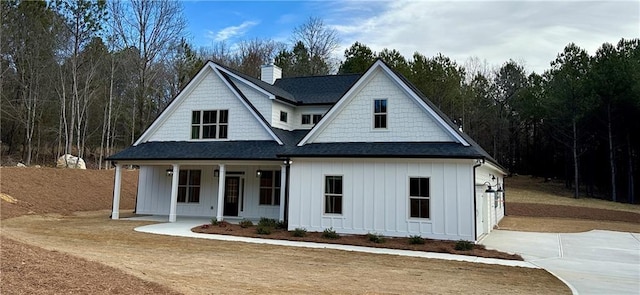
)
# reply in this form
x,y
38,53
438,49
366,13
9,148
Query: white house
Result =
x,y
356,153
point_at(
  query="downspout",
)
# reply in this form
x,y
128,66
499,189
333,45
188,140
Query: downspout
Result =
x,y
113,163
475,206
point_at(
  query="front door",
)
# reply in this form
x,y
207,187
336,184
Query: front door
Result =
x,y
231,195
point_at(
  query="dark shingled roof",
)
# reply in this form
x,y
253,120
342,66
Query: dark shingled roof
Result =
x,y
386,150
201,150
317,89
276,91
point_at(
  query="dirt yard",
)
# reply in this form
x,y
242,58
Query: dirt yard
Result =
x,y
41,238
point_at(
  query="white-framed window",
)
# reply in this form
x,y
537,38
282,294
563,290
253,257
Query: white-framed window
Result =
x,y
419,197
333,194
283,116
308,119
270,187
380,114
209,124
189,186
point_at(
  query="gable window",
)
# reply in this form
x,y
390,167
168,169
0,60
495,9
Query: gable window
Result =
x,y
270,188
380,113
283,116
189,186
419,197
333,195
209,124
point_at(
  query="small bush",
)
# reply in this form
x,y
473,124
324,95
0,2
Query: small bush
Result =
x,y
281,225
464,245
214,221
263,230
267,222
416,240
299,232
245,223
329,233
376,238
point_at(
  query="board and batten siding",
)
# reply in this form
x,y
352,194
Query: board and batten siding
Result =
x,y
491,214
211,93
154,192
376,197
406,120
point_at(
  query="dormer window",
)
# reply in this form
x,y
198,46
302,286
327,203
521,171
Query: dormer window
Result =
x,y
307,119
283,116
380,114
209,124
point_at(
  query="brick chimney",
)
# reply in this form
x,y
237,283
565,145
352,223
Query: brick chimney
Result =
x,y
270,73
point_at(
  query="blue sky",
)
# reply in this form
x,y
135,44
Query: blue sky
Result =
x,y
491,32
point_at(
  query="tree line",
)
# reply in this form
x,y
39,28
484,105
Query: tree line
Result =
x,y
87,77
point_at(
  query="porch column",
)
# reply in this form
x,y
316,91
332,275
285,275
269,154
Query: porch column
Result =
x,y
283,181
221,192
115,214
174,192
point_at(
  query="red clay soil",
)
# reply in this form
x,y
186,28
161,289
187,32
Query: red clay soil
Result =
x,y
562,211
429,245
26,269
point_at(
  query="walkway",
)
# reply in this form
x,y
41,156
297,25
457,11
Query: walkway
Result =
x,y
182,228
594,262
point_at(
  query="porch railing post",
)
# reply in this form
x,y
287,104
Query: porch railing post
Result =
x,y
174,193
221,181
115,214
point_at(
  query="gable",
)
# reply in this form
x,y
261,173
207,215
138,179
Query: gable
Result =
x,y
352,119
261,101
208,92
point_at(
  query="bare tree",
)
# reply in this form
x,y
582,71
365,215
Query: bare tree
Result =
x,y
320,41
154,28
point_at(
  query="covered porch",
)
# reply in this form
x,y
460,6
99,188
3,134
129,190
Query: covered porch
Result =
x,y
231,190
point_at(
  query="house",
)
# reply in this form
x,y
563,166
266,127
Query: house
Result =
x,y
356,153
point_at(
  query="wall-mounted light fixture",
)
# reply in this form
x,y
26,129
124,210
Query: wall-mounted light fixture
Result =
x,y
169,172
258,173
216,173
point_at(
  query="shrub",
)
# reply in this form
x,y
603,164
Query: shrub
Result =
x,y
281,225
329,233
299,232
214,221
267,222
263,230
245,223
463,245
416,240
376,238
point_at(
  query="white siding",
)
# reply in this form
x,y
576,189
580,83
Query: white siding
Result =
x,y
210,94
275,118
154,192
376,197
312,110
258,99
406,120
490,208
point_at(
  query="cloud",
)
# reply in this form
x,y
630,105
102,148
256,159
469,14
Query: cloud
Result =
x,y
232,31
530,31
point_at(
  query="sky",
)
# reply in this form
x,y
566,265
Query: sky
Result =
x,y
491,32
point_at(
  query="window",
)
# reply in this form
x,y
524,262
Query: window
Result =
x,y
380,113
209,124
306,119
333,195
270,188
189,186
283,116
419,197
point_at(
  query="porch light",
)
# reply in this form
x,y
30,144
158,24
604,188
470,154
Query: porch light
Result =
x,y
169,172
216,173
258,173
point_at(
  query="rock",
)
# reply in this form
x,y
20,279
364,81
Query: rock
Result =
x,y
21,165
70,161
37,166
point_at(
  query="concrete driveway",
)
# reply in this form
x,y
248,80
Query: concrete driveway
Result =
x,y
594,262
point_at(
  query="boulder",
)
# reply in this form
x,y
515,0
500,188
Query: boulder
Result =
x,y
21,165
71,161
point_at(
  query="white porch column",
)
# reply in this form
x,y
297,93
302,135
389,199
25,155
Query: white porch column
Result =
x,y
283,181
221,192
174,193
115,214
